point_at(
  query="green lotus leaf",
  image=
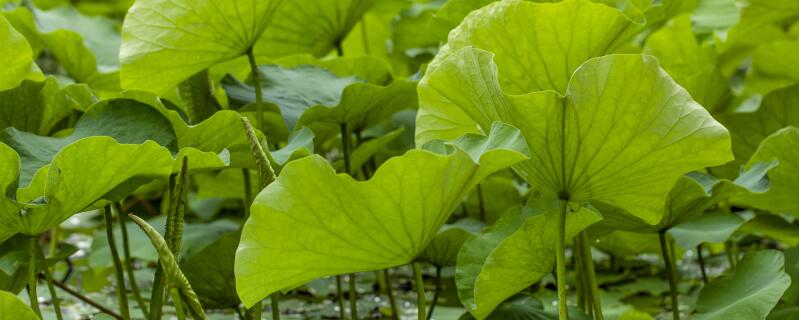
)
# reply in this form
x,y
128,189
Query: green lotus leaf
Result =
x,y
443,249
172,274
691,64
166,42
210,271
327,224
9,175
778,110
299,145
513,254
761,21
110,118
18,61
713,227
13,264
33,106
315,28
293,90
79,175
783,146
521,307
750,292
691,196
587,145
792,268
499,193
87,47
774,66
622,243
13,308
771,226
368,149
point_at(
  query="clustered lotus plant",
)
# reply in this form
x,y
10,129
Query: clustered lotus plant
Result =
x,y
526,160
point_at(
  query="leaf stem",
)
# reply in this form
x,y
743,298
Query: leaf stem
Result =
x,y
560,248
390,290
256,81
481,203
345,147
123,226
32,296
122,295
342,310
274,299
701,263
353,295
49,277
419,284
590,272
247,192
181,315
436,293
671,273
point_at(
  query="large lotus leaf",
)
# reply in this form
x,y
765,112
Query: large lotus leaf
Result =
x,y
166,42
792,268
622,243
713,227
327,224
771,226
33,106
443,249
691,64
513,254
761,22
691,196
13,308
778,110
9,174
315,27
536,46
622,135
18,58
80,174
782,196
750,292
521,307
496,194
126,121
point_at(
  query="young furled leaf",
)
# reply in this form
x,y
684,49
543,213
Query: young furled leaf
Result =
x,y
313,223
174,277
18,58
166,42
513,254
750,292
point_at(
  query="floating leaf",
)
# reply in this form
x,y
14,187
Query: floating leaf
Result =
x,y
712,227
513,254
749,293
166,42
313,223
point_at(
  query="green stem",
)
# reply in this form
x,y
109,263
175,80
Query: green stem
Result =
x,y
259,99
672,274
32,296
353,295
436,293
345,147
560,248
123,226
157,294
247,192
730,258
588,262
583,294
390,291
118,272
342,312
419,284
254,313
701,263
275,300
49,277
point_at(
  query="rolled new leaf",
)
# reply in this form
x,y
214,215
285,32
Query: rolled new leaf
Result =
x,y
174,277
312,222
